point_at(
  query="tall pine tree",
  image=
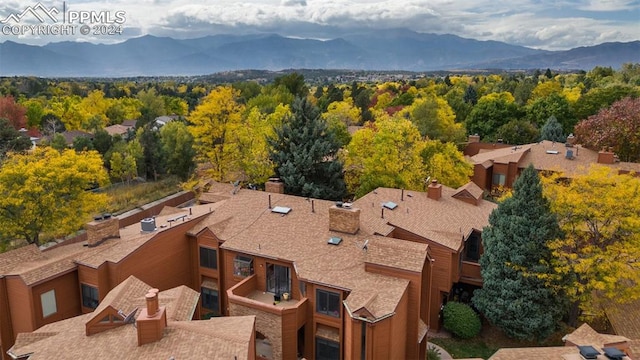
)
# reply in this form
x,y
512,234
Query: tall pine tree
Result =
x,y
514,296
304,154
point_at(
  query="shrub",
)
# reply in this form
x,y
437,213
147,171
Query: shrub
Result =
x,y
461,320
433,353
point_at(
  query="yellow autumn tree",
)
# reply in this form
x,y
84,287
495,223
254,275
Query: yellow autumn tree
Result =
x,y
45,192
215,123
94,107
599,256
385,153
444,162
257,127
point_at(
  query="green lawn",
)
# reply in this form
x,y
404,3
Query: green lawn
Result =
x,y
458,348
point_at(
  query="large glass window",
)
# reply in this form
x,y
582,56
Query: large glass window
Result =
x,y
89,296
210,300
327,349
328,303
208,258
48,301
278,279
243,266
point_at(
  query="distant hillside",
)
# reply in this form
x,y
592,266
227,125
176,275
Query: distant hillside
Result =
x,y
398,49
612,54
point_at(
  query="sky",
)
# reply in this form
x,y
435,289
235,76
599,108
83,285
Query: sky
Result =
x,y
540,24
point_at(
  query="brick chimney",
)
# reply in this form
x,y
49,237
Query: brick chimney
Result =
x,y
606,157
274,185
152,320
435,190
475,138
102,227
344,218
571,139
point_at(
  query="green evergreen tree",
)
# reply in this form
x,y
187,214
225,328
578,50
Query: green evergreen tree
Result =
x,y
304,154
153,164
552,130
514,296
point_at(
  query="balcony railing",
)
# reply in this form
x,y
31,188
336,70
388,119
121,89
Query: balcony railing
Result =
x,y
470,273
246,293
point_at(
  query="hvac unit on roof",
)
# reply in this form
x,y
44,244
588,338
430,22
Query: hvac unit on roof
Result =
x,y
148,224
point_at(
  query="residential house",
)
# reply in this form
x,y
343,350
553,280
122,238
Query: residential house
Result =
x,y
449,221
323,280
163,330
501,166
583,343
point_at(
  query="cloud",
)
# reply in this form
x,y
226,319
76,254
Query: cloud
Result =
x,y
293,3
545,24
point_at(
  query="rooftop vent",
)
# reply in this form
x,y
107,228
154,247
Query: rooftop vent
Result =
x,y
390,205
334,240
281,210
148,224
613,353
569,154
588,352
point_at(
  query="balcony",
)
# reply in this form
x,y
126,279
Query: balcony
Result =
x,y
470,273
247,294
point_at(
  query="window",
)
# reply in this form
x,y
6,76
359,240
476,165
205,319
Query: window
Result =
x,y
242,266
499,179
210,299
208,258
278,279
327,349
328,303
472,248
89,296
48,300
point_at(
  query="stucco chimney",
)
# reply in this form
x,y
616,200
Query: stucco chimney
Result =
x,y
274,185
102,227
571,139
474,138
435,190
606,157
152,320
344,218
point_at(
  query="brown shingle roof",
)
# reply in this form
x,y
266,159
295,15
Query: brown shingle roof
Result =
x,y
546,353
446,221
537,154
34,265
246,224
218,338
625,319
585,335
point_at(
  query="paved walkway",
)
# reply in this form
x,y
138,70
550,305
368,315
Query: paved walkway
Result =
x,y
444,355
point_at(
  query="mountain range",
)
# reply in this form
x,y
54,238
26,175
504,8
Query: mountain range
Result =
x,y
398,49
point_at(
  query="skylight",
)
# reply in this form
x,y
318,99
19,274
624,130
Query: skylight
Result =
x,y
390,205
553,152
334,240
281,210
